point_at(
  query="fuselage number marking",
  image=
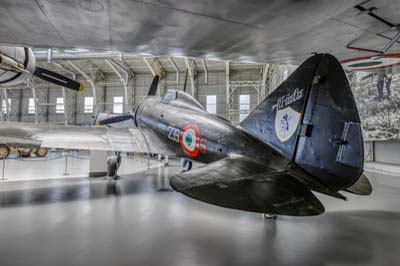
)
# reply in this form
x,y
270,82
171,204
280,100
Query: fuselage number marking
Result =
x,y
173,133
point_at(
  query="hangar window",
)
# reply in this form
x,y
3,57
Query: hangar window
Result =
x,y
285,74
4,105
88,105
244,106
31,106
212,104
59,105
117,109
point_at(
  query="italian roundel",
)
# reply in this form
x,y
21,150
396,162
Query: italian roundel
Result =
x,y
190,139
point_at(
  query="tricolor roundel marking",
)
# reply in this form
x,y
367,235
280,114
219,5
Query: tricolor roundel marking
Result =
x,y
368,63
190,139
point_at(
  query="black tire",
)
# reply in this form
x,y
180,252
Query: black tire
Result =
x,y
4,151
41,152
111,170
186,164
25,152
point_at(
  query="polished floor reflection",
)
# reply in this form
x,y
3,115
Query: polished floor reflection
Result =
x,y
138,221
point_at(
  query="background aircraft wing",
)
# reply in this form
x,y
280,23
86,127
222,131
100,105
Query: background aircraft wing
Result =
x,y
79,137
246,184
284,31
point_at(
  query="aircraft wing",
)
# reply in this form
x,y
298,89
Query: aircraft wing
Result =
x,y
246,184
283,31
80,137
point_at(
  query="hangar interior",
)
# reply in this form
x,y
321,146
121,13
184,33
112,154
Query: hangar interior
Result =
x,y
134,220
115,82
208,133
110,75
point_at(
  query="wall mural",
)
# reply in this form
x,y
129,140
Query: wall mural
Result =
x,y
378,102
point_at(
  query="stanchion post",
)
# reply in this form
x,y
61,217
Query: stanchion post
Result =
x,y
166,160
66,164
3,170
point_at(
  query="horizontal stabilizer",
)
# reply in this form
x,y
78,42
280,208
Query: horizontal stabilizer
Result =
x,y
244,184
58,79
361,187
114,119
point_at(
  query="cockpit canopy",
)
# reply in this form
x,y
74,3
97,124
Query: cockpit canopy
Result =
x,y
182,99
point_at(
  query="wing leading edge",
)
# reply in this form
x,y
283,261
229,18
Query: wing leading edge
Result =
x,y
80,137
245,184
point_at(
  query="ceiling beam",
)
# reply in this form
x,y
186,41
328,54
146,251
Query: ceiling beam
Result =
x,y
88,79
149,66
191,75
205,68
173,63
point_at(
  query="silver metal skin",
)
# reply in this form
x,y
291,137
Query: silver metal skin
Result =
x,y
275,31
218,138
23,57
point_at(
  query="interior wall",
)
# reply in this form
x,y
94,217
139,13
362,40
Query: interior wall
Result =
x,y
111,86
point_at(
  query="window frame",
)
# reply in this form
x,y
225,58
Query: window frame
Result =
x,y
212,106
4,105
60,108
31,106
118,107
88,109
244,112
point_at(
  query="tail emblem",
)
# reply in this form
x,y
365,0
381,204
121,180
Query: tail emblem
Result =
x,y
286,122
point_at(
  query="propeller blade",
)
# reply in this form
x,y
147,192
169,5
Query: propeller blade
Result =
x,y
58,79
113,120
184,85
154,85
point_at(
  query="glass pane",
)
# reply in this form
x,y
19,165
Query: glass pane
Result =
x,y
118,107
31,106
244,106
60,105
211,99
118,99
4,106
88,105
212,104
244,99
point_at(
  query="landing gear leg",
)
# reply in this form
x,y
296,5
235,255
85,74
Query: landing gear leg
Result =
x,y
186,164
113,164
269,216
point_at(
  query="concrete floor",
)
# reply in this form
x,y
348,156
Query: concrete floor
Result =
x,y
76,221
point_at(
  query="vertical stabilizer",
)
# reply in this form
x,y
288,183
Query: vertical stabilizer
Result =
x,y
312,119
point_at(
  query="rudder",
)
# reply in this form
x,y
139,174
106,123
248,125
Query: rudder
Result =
x,y
312,119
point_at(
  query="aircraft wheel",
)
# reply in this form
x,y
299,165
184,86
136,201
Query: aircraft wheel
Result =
x,y
41,152
186,164
113,164
4,151
25,152
269,216
111,169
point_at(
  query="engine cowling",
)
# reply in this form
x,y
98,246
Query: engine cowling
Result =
x,y
20,57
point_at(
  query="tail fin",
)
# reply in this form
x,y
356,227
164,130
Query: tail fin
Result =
x,y
312,119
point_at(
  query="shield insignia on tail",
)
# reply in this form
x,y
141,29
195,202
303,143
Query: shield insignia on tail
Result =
x,y
286,122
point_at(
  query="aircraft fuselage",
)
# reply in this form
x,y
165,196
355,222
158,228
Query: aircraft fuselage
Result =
x,y
193,133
